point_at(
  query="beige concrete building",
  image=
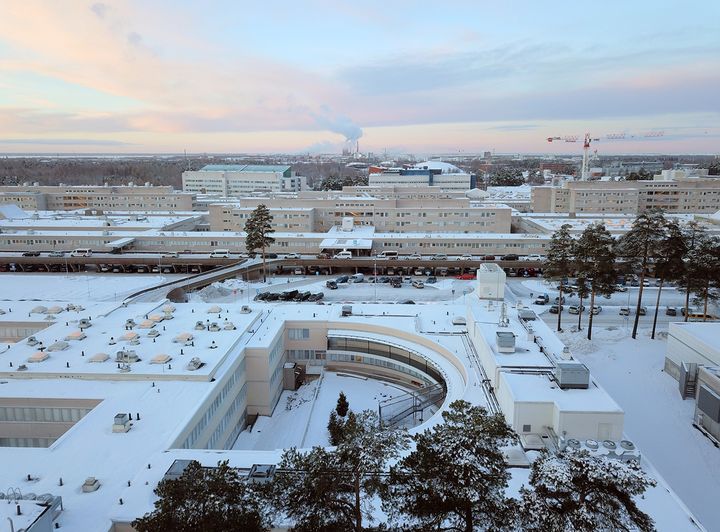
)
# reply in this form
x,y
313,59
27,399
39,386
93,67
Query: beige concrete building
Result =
x,y
108,198
669,191
239,179
319,211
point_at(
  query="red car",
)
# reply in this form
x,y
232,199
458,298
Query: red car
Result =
x,y
466,276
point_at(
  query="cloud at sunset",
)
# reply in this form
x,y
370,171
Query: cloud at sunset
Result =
x,y
160,76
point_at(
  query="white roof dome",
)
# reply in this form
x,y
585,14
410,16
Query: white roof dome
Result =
x,y
445,168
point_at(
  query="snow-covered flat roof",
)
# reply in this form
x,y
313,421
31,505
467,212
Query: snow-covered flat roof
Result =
x,y
109,334
541,389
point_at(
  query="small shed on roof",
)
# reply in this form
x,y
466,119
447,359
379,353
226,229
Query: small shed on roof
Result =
x,y
161,358
128,336
215,309
100,357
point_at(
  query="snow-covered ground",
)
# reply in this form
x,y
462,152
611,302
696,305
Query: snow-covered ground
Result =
x,y
76,286
656,418
300,418
234,290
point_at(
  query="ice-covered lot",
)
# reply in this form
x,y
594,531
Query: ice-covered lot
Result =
x,y
76,286
656,418
300,418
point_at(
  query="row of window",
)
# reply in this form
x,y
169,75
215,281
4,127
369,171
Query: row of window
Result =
x,y
210,412
230,417
31,414
26,442
298,334
380,362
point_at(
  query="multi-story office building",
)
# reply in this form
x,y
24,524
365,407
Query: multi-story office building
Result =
x,y
443,176
239,179
319,211
671,191
108,198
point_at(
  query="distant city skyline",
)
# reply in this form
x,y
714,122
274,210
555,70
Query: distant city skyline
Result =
x,y
451,77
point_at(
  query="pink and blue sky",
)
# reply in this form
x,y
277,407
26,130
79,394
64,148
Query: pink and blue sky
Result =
x,y
403,76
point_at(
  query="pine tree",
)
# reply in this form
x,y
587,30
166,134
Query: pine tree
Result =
x,y
595,258
342,406
209,499
694,233
455,479
559,261
577,492
638,246
332,490
669,263
257,230
703,265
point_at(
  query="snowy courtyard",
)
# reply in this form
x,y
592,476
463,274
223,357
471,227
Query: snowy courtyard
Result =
x,y
301,417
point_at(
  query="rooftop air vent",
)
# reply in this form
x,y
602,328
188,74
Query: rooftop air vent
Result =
x,y
121,423
91,484
505,341
572,375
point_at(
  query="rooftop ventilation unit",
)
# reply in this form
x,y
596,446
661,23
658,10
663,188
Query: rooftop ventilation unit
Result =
x,y
194,364
84,324
91,484
127,356
121,423
505,341
261,473
572,375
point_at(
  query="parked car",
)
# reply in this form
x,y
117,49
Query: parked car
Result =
x,y
31,254
418,284
672,311
343,255
510,256
396,282
466,276
170,255
533,257
542,299
331,284
576,309
621,288
439,256
56,254
414,256
322,256
597,309
431,280
560,300
292,256
466,256
646,282
643,311
342,279
489,257
634,282
554,309
624,311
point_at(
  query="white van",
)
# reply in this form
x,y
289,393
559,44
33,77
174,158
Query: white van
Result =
x,y
81,252
220,254
357,278
343,255
387,255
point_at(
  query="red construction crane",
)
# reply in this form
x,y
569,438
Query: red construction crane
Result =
x,y
588,139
